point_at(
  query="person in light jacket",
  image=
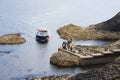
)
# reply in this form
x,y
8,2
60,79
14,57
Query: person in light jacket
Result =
x,y
72,45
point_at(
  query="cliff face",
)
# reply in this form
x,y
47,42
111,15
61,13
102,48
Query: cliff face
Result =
x,y
112,24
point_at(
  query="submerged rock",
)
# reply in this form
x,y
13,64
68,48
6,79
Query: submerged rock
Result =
x,y
54,77
11,39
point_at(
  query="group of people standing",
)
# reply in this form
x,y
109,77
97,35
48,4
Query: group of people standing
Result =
x,y
68,45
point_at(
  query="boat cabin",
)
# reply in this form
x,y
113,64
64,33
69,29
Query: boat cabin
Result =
x,y
42,35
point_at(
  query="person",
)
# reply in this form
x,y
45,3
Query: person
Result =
x,y
68,44
71,45
64,45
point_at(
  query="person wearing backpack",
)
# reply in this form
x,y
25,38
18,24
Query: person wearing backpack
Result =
x,y
64,45
71,45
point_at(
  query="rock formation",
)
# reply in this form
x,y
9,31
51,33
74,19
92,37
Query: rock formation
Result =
x,y
112,24
64,60
54,77
110,71
11,39
103,31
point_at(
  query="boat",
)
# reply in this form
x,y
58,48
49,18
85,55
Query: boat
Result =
x,y
42,35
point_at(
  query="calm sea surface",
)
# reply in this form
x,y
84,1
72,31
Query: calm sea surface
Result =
x,y
25,16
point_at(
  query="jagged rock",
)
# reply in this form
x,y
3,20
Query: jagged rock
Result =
x,y
112,24
108,72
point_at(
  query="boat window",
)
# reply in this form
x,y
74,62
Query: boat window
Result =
x,y
42,33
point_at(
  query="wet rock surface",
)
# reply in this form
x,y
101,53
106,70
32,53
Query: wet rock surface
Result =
x,y
11,39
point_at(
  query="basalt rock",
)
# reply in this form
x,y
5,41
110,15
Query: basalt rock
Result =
x,y
112,24
109,72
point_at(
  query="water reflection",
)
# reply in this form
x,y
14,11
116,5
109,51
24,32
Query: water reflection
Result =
x,y
92,42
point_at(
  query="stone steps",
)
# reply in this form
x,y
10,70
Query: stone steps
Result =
x,y
95,58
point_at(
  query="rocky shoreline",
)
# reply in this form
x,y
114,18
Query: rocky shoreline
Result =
x,y
11,39
53,77
108,30
110,71
92,32
62,59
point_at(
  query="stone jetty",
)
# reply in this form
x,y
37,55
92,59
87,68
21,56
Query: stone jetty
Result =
x,y
86,55
86,58
89,55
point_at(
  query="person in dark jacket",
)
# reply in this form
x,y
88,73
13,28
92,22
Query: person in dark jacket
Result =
x,y
68,44
64,45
